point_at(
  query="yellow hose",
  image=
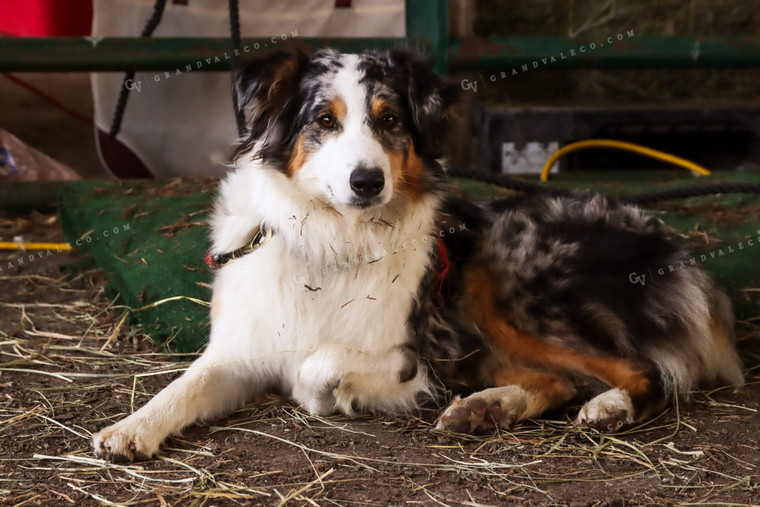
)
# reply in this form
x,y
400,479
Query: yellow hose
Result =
x,y
22,245
621,145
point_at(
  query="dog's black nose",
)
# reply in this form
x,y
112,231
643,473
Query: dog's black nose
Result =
x,y
367,182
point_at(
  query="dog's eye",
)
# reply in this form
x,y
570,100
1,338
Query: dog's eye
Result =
x,y
388,120
327,121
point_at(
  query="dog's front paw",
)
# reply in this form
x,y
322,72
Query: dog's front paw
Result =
x,y
316,397
608,412
348,399
126,441
498,407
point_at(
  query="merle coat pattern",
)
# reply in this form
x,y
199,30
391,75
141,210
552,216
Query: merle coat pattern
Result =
x,y
373,292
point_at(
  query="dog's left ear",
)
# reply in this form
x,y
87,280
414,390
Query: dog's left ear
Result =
x,y
431,98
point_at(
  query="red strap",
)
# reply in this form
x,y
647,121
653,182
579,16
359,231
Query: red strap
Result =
x,y
445,267
209,260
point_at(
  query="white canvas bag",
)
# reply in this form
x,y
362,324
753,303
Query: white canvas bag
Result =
x,y
181,123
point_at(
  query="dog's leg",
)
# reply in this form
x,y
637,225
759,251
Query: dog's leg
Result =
x,y
335,378
629,385
318,376
389,383
204,391
608,411
523,394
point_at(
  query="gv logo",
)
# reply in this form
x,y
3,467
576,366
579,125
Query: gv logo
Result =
x,y
94,40
131,84
469,85
634,278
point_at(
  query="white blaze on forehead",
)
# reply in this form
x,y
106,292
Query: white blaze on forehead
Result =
x,y
362,148
328,170
354,94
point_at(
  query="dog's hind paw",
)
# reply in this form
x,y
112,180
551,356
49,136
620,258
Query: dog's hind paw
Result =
x,y
607,412
498,407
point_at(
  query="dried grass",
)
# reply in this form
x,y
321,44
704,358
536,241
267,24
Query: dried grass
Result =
x,y
71,364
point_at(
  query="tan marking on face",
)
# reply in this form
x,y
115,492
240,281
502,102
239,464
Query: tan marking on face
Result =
x,y
406,172
397,166
297,158
518,349
338,109
378,107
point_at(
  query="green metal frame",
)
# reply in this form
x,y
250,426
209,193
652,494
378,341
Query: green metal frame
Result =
x,y
631,51
71,54
427,22
426,30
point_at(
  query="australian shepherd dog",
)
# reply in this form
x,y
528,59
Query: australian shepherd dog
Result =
x,y
349,282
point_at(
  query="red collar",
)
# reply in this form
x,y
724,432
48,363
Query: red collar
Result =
x,y
444,268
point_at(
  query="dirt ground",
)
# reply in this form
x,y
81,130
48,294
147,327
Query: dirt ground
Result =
x,y
70,364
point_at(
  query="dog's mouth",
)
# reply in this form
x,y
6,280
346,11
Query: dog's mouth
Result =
x,y
355,201
361,203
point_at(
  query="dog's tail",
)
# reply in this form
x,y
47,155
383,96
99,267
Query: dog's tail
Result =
x,y
703,350
727,364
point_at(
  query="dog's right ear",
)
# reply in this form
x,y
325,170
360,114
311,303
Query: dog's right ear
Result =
x,y
267,87
430,97
269,78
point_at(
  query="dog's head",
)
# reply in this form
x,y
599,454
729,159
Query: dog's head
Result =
x,y
350,129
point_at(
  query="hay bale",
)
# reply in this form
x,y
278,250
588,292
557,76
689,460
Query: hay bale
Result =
x,y
590,19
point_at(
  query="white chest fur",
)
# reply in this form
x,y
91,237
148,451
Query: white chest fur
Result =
x,y
334,286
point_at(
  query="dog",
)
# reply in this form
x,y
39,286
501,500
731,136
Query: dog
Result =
x,y
348,282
